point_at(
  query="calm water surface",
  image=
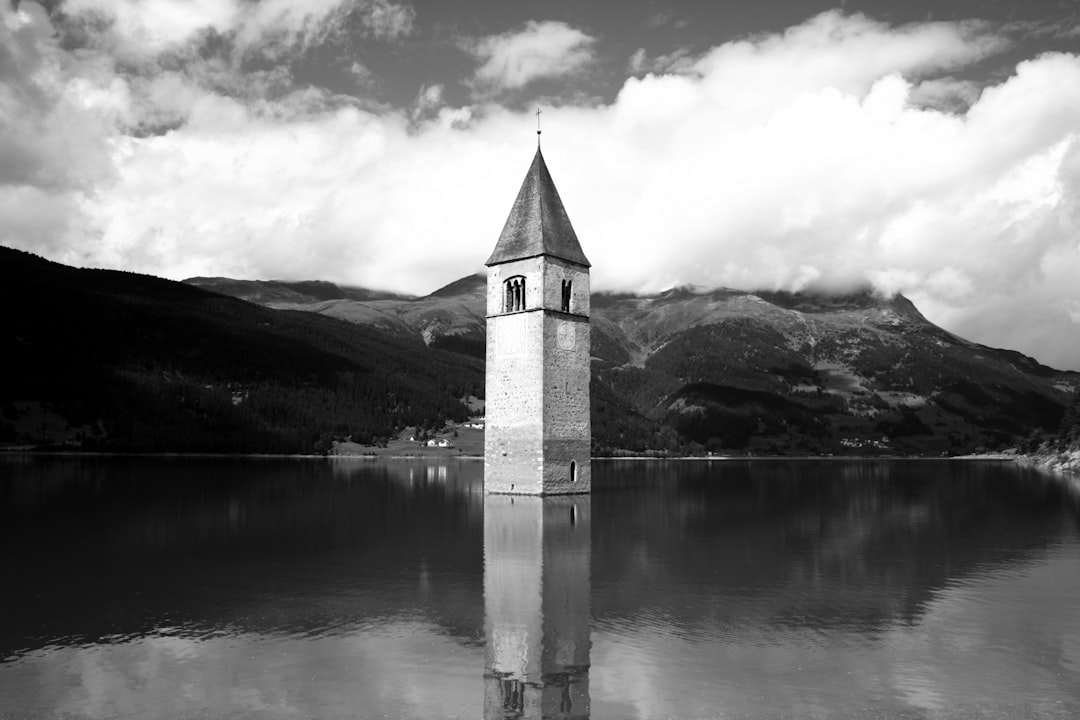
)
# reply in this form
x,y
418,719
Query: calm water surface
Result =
x,y
175,588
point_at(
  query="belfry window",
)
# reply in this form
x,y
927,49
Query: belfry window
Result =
x,y
514,294
567,293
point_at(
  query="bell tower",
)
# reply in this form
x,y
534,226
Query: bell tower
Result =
x,y
537,431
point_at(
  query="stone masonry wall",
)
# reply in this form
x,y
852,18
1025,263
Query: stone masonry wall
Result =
x,y
538,373
530,269
567,428
513,433
555,271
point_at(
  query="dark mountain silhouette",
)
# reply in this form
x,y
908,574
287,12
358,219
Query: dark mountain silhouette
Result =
x,y
109,360
767,372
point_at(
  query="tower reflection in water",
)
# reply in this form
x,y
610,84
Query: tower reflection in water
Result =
x,y
537,553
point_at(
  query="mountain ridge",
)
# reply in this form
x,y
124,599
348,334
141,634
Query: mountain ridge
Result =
x,y
137,363
773,371
289,291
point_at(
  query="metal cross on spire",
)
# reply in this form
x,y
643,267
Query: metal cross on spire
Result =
x,y
537,127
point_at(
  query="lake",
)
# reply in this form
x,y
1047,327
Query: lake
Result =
x,y
301,588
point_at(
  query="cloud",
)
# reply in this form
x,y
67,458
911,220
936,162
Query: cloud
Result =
x,y
677,61
945,93
147,28
161,58
541,50
428,101
837,152
845,52
57,116
1064,27
388,20
287,24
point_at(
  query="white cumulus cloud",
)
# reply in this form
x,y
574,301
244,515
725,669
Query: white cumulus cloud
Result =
x,y
540,50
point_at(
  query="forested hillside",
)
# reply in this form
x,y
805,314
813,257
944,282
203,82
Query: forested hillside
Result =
x,y
1058,449
108,360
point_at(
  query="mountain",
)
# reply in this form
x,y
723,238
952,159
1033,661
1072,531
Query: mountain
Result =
x,y
731,371
273,292
109,360
770,372
452,317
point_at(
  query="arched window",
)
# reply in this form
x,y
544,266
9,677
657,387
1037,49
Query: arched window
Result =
x,y
573,471
514,294
567,293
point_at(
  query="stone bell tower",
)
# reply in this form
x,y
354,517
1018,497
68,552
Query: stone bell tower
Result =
x,y
537,434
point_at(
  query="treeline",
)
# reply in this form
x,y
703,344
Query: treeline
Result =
x,y
618,428
154,365
1065,438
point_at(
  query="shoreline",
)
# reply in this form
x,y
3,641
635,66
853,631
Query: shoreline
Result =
x,y
1063,462
989,457
1062,466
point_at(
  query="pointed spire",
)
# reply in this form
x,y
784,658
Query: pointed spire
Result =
x,y
538,223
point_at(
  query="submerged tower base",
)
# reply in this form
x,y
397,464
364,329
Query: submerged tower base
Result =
x,y
562,468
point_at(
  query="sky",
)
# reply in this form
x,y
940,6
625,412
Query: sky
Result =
x,y
925,147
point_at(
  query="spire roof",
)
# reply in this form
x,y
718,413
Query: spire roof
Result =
x,y
538,223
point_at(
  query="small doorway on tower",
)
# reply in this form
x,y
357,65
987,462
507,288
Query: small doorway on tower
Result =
x,y
573,471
